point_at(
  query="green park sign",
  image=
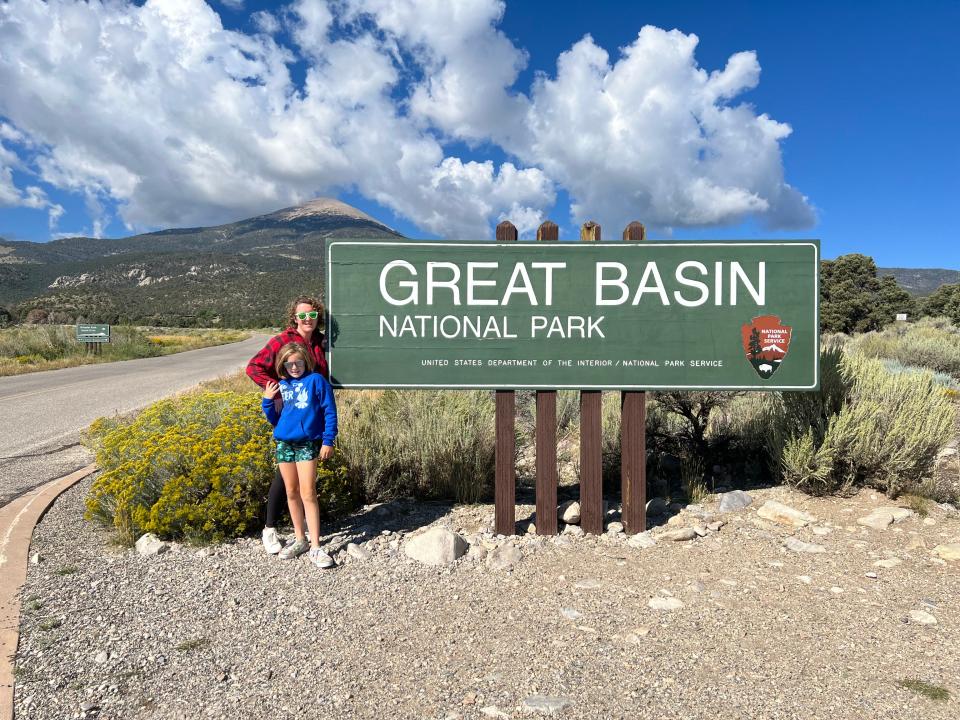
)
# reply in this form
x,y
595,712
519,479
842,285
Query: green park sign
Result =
x,y
725,315
93,333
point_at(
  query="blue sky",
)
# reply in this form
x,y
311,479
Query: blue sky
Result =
x,y
828,120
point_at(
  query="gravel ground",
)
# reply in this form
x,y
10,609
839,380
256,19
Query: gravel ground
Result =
x,y
763,632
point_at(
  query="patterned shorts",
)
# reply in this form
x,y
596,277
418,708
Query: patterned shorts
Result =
x,y
288,452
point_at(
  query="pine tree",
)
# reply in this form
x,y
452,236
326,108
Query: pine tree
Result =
x,y
755,348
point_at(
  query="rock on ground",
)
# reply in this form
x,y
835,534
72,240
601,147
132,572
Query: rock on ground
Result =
x,y
888,563
436,546
882,517
665,603
950,551
876,520
797,545
503,557
784,514
569,512
922,617
357,552
641,540
657,506
546,704
734,500
150,544
899,514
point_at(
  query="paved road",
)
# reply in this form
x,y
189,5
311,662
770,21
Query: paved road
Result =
x,y
41,414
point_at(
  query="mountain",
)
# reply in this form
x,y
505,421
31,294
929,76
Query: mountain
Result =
x,y
238,275
920,282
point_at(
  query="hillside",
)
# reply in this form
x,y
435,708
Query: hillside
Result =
x,y
236,275
921,282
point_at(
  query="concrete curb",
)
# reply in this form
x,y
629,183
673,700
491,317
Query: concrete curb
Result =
x,y
17,521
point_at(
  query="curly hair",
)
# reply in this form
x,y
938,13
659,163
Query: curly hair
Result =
x,y
300,300
286,351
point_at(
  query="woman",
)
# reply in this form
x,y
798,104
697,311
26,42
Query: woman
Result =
x,y
304,315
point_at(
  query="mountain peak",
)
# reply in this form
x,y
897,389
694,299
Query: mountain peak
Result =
x,y
322,206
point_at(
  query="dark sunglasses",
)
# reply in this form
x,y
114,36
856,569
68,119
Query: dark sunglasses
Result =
x,y
291,364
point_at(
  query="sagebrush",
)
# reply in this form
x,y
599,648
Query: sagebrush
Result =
x,y
419,442
932,344
866,426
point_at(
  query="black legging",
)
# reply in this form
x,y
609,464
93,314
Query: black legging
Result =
x,y
276,500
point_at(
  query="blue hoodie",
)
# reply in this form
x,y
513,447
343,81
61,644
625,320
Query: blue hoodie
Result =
x,y
309,411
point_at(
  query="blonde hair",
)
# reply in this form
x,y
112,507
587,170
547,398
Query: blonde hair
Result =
x,y
304,300
287,351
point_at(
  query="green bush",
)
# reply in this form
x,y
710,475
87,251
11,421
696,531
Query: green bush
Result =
x,y
865,426
944,302
810,466
929,343
791,415
195,468
419,442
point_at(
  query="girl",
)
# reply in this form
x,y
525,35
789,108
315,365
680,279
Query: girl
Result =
x,y
304,429
304,315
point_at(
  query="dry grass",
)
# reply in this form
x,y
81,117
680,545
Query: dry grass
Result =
x,y
235,382
918,503
34,348
931,692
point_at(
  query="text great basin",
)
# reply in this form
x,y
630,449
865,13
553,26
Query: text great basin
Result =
x,y
693,284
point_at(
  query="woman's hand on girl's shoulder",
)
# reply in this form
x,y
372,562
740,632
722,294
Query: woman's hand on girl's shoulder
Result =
x,y
271,389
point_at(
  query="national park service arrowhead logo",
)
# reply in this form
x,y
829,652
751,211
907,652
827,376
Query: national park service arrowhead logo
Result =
x,y
766,342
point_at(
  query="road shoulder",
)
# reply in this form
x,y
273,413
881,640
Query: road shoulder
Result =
x,y
17,521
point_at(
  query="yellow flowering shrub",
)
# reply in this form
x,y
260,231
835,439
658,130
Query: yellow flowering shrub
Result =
x,y
339,491
195,467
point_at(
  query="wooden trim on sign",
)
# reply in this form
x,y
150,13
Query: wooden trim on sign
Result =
x,y
633,438
547,433
505,474
591,461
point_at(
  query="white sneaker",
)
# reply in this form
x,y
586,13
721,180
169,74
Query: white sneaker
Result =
x,y
297,549
319,558
270,541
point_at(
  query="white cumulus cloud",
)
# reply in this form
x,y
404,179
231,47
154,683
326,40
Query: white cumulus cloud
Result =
x,y
31,196
159,111
650,137
266,22
467,64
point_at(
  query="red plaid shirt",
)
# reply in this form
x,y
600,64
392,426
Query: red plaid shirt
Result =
x,y
261,367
